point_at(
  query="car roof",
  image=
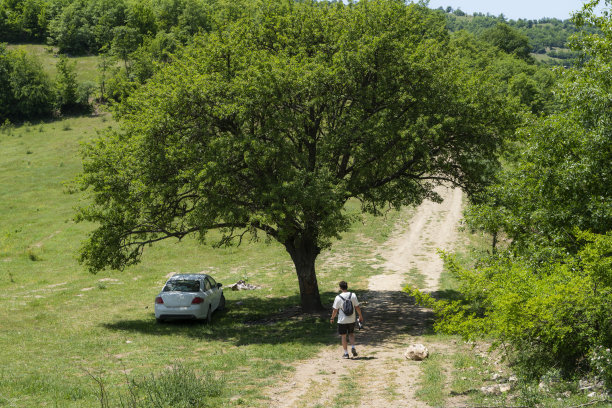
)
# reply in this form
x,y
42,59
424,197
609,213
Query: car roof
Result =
x,y
188,276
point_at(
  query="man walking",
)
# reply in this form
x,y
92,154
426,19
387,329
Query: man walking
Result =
x,y
346,323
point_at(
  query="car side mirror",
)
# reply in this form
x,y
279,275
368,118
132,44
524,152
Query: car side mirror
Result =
x,y
219,285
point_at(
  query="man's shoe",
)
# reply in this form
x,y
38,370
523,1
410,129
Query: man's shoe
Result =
x,y
354,352
345,355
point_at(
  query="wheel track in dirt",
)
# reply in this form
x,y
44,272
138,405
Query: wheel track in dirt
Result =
x,y
386,379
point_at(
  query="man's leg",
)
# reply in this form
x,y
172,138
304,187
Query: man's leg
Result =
x,y
344,343
352,340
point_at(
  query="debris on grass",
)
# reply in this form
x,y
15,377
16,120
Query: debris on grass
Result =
x,y
242,285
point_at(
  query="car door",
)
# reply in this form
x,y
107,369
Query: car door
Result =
x,y
214,292
207,294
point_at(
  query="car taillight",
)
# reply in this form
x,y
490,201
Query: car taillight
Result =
x,y
197,301
159,300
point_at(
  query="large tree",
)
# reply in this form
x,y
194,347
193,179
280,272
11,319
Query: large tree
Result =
x,y
272,123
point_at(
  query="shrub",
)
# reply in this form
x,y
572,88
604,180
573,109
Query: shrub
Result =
x,y
551,315
179,387
84,92
601,361
26,91
7,127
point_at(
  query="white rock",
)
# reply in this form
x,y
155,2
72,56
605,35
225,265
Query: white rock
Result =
x,y
496,377
416,352
490,390
495,389
513,378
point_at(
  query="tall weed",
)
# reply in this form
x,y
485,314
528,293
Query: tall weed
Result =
x,y
180,387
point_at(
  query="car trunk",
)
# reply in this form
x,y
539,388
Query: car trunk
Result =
x,y
178,299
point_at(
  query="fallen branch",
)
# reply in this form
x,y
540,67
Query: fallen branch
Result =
x,y
525,406
497,406
590,403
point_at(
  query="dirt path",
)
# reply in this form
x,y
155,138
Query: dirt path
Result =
x,y
386,378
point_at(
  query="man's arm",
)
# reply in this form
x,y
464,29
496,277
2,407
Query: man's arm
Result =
x,y
333,316
358,309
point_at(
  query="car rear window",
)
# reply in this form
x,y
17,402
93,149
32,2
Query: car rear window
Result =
x,y
182,286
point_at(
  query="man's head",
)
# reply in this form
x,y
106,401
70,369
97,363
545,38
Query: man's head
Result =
x,y
343,285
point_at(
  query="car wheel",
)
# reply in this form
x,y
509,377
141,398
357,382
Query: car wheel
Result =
x,y
221,303
158,320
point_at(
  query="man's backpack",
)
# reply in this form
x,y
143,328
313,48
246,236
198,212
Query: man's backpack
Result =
x,y
347,306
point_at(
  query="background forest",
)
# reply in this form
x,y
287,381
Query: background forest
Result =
x,y
132,36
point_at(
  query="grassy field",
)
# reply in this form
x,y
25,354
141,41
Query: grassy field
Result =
x,y
61,327
86,66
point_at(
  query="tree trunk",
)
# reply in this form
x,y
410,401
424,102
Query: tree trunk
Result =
x,y
304,253
494,243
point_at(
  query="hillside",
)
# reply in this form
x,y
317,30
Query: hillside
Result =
x,y
548,37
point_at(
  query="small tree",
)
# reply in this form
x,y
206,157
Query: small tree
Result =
x,y
105,65
66,85
273,123
125,41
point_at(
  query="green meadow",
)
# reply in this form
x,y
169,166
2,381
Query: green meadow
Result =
x,y
68,336
86,67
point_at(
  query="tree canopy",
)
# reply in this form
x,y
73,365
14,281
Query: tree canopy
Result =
x,y
509,40
271,124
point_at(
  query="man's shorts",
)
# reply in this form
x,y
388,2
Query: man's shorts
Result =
x,y
346,328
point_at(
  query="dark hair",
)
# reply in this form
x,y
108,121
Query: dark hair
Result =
x,y
343,285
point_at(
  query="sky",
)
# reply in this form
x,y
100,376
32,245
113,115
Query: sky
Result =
x,y
514,9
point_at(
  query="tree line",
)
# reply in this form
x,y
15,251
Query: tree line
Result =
x,y
544,35
90,26
131,37
134,38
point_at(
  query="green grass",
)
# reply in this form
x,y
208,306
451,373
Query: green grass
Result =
x,y
431,387
61,327
349,394
86,66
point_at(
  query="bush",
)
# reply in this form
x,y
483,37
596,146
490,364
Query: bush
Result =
x,y
601,361
84,92
179,387
26,91
553,315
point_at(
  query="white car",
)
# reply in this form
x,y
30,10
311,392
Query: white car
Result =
x,y
189,296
